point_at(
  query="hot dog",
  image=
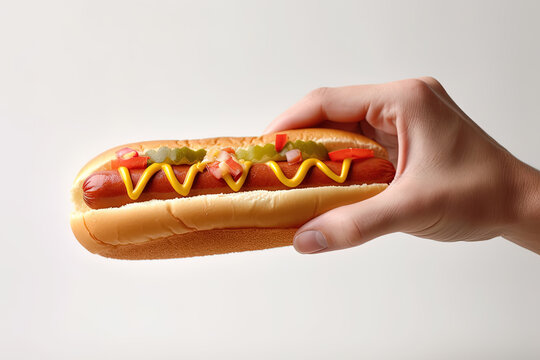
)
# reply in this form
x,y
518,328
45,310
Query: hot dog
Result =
x,y
166,199
106,189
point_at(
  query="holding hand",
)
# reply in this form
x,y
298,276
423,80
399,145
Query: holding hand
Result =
x,y
453,182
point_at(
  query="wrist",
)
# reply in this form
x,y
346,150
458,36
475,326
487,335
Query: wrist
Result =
x,y
524,190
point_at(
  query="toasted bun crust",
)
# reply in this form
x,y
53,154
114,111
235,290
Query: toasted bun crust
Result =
x,y
212,224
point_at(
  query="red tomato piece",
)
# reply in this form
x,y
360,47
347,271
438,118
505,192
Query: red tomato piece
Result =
x,y
351,153
281,140
139,162
235,168
214,170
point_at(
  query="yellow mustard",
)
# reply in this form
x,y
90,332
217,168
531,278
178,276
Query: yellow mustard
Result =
x,y
183,189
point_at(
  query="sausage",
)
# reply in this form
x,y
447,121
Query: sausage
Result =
x,y
105,189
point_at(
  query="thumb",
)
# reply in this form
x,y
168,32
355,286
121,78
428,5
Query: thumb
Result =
x,y
351,225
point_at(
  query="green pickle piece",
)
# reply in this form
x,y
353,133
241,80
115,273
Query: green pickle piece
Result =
x,y
258,153
159,155
175,156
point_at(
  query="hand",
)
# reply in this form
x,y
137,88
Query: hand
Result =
x,y
453,182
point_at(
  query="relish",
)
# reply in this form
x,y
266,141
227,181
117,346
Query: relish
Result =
x,y
258,153
175,156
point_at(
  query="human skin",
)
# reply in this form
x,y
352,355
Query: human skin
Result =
x,y
453,181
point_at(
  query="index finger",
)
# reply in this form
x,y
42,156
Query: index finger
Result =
x,y
341,105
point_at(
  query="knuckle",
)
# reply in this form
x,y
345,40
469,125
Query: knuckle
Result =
x,y
319,93
417,89
431,81
351,233
415,95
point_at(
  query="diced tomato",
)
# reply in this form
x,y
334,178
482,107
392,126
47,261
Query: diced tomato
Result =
x,y
351,153
139,162
126,153
230,150
235,168
281,140
293,156
214,169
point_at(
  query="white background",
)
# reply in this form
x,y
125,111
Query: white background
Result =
x,y
78,77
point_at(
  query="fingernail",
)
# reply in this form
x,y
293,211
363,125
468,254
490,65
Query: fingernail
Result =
x,y
310,241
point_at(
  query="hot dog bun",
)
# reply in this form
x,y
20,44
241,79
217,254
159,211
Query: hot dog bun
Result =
x,y
212,224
